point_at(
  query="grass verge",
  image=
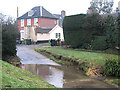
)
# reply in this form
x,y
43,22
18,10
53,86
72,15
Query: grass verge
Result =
x,y
14,77
92,63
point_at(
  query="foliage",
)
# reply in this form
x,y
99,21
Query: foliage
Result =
x,y
109,28
118,31
103,6
14,77
93,31
112,67
83,28
72,26
99,43
9,35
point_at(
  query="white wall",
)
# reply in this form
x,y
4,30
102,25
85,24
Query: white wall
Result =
x,y
56,29
41,37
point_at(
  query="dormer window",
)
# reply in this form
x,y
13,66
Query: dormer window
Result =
x,y
31,13
60,17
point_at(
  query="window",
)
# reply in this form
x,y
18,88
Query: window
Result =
x,y
57,35
28,21
35,21
22,22
31,13
54,22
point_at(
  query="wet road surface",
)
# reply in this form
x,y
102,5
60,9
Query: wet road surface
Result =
x,y
28,56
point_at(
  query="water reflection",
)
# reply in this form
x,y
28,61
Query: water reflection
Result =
x,y
48,73
63,76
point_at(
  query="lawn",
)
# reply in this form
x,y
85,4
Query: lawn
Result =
x,y
14,77
91,57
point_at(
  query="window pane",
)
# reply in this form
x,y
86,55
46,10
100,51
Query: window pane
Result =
x,y
28,21
56,35
22,22
59,35
35,21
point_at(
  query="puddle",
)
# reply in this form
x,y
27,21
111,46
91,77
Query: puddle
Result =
x,y
64,77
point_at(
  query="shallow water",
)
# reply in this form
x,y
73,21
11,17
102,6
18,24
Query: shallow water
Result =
x,y
64,76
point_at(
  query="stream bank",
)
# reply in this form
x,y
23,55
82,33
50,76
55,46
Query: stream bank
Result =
x,y
92,70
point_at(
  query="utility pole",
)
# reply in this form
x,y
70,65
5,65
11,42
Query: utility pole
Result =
x,y
17,12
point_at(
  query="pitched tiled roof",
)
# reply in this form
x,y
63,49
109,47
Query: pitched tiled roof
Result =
x,y
43,30
38,11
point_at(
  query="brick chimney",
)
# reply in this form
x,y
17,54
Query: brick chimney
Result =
x,y
89,11
63,13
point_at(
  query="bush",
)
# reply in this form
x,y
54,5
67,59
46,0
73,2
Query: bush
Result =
x,y
9,35
112,68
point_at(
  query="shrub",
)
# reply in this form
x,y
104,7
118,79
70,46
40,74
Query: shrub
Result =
x,y
9,35
112,67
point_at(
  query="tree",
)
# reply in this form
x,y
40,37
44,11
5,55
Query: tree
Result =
x,y
101,6
110,31
118,32
9,35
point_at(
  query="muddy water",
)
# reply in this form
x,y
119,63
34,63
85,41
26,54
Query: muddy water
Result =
x,y
64,76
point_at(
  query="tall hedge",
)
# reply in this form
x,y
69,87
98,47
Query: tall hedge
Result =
x,y
79,30
93,31
72,26
8,40
99,43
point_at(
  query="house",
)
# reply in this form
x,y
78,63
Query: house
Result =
x,y
43,34
38,24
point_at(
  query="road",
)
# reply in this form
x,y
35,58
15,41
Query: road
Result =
x,y
28,56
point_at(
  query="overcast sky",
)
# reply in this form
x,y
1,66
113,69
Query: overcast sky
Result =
x,y
9,7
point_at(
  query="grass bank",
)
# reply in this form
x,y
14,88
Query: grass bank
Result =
x,y
14,77
94,64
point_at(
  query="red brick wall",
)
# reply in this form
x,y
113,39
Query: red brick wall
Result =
x,y
32,21
42,22
25,22
47,23
19,25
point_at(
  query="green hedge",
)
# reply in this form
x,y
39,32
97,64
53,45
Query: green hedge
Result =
x,y
79,30
92,31
99,43
73,30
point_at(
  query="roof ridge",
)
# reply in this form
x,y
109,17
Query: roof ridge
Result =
x,y
39,13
